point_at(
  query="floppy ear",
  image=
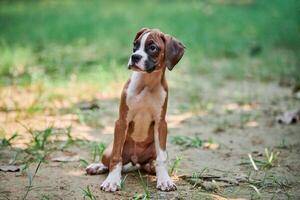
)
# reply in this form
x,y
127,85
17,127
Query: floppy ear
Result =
x,y
174,51
138,34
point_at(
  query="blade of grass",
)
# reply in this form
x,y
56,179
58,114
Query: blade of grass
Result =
x,y
88,193
145,186
252,162
31,180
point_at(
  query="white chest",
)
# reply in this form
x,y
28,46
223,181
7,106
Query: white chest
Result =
x,y
144,106
150,101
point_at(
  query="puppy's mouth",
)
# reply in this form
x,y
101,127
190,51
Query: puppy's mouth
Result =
x,y
134,68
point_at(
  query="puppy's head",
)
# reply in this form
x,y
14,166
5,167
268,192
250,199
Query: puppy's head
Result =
x,y
154,50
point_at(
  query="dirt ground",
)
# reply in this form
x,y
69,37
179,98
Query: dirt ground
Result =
x,y
238,117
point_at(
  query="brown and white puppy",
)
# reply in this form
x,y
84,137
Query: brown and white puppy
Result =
x,y
141,131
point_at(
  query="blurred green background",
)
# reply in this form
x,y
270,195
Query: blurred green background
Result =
x,y
53,41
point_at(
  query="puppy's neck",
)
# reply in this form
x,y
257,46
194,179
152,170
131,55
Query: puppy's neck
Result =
x,y
150,80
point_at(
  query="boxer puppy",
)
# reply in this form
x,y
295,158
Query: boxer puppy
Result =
x,y
140,133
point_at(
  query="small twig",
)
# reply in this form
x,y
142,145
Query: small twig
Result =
x,y
232,182
207,177
210,178
29,130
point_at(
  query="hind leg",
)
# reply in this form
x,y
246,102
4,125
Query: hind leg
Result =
x,y
149,167
100,168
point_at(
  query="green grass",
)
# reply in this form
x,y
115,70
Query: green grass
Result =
x,y
146,194
269,160
260,182
175,165
97,151
4,142
41,145
187,141
30,179
45,197
91,40
88,193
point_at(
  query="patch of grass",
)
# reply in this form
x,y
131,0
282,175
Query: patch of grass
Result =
x,y
70,140
97,151
40,138
174,167
30,179
7,142
140,197
83,162
37,150
267,163
187,141
194,142
196,178
270,159
267,180
45,197
283,144
122,184
40,146
88,193
146,194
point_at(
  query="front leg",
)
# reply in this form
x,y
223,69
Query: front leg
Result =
x,y
113,181
164,181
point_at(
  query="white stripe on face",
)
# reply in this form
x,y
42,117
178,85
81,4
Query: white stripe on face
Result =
x,y
141,52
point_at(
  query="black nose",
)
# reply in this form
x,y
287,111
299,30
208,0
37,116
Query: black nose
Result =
x,y
135,58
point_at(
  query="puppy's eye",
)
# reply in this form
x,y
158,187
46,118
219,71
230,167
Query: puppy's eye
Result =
x,y
134,48
152,48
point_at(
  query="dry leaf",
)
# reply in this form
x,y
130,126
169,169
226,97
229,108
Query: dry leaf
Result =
x,y
251,124
9,168
211,146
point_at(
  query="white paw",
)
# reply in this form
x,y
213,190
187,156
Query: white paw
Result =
x,y
110,185
113,181
96,168
166,184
